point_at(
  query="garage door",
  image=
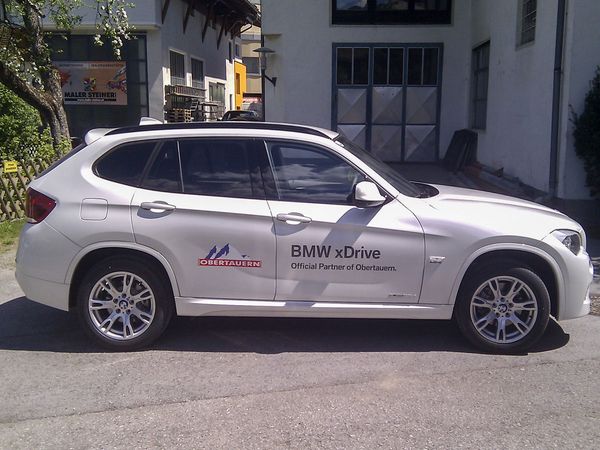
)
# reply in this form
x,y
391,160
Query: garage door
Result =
x,y
386,98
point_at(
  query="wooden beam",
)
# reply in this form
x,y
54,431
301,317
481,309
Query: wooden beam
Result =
x,y
165,8
208,14
221,32
188,11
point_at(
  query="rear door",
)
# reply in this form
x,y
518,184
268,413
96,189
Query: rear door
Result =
x,y
328,249
202,205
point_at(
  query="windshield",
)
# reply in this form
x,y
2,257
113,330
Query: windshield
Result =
x,y
385,170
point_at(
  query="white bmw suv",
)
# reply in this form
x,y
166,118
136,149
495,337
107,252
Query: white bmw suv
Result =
x,y
258,219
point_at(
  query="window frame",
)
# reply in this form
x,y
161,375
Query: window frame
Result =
x,y
270,178
171,76
149,160
200,60
254,152
255,59
526,34
410,16
477,71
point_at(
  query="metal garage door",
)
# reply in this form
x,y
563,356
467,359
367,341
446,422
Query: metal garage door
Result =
x,y
386,98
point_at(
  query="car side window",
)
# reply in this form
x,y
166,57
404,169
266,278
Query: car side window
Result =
x,y
308,174
219,167
125,164
164,173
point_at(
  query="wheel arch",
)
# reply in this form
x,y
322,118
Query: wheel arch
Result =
x,y
89,255
531,257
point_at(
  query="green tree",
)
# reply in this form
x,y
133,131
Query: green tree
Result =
x,y
25,65
22,135
587,135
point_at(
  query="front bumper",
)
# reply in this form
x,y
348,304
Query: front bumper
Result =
x,y
576,274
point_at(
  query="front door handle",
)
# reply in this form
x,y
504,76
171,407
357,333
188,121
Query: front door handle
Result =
x,y
293,218
162,206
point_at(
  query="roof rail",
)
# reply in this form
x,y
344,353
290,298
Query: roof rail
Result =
x,y
221,125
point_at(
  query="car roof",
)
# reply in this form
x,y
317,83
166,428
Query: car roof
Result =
x,y
95,134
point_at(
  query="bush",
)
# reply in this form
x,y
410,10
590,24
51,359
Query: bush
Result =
x,y
587,135
21,133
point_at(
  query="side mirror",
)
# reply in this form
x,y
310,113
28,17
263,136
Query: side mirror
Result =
x,y
367,195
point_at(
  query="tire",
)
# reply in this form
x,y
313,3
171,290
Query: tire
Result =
x,y
503,308
124,304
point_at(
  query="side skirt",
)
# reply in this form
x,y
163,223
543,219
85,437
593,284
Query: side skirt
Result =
x,y
258,308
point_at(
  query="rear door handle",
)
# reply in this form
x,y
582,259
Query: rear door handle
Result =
x,y
163,206
293,218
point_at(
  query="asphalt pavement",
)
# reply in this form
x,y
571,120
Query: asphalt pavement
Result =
x,y
291,383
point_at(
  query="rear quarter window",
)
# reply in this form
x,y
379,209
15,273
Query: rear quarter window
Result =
x,y
125,164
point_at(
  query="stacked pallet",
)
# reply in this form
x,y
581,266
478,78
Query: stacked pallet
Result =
x,y
176,115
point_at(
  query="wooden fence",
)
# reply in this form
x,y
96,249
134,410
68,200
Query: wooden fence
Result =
x,y
14,185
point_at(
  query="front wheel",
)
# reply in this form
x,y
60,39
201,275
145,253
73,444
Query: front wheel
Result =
x,y
503,308
124,303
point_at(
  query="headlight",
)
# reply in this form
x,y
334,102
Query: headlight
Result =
x,y
571,239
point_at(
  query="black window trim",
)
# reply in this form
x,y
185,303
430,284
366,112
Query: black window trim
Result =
x,y
257,184
477,72
268,171
157,144
411,16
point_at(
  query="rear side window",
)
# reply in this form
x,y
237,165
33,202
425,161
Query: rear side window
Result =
x,y
164,175
216,167
125,164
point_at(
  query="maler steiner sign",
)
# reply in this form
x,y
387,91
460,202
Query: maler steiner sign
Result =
x,y
98,82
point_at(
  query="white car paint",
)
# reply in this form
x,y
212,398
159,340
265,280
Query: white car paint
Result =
x,y
405,259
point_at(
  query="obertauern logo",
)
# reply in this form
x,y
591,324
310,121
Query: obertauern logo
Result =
x,y
227,256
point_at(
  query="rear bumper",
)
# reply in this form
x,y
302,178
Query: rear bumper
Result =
x,y
48,293
43,258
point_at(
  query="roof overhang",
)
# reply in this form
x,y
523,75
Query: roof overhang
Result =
x,y
229,15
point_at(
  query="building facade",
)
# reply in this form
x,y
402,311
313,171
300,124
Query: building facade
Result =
x,y
399,77
251,40
184,64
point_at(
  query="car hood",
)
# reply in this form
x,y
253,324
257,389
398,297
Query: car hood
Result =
x,y
504,214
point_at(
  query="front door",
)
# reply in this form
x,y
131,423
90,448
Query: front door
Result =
x,y
202,206
329,250
386,98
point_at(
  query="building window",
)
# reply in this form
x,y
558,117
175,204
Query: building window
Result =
x,y
197,73
352,65
479,89
230,51
216,92
252,65
177,67
527,19
237,50
391,11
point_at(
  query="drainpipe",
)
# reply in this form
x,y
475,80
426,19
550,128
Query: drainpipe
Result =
x,y
556,100
262,80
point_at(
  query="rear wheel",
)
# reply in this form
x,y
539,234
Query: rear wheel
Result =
x,y
503,308
124,304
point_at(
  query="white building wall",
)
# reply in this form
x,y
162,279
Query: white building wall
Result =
x,y
162,37
582,57
517,137
216,60
519,113
301,34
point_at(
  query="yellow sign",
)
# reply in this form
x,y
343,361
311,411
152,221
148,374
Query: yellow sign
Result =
x,y
11,166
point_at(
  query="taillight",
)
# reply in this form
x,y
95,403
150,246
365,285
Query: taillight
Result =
x,y
38,206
